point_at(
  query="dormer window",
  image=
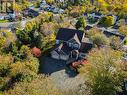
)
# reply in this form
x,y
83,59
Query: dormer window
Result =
x,y
57,41
76,46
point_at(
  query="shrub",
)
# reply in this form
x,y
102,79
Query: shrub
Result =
x,y
107,21
104,75
25,75
36,52
100,40
76,11
81,23
40,85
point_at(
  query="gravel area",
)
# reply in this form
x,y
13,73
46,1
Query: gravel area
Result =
x,y
63,77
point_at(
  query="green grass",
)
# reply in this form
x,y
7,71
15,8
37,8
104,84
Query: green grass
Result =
x,y
3,21
1,93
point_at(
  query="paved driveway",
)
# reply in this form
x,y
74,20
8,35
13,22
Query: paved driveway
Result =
x,y
63,77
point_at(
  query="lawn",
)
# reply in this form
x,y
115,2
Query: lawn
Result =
x,y
2,21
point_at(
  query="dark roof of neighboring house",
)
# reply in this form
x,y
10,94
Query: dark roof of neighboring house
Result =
x,y
96,13
115,27
65,34
88,27
108,34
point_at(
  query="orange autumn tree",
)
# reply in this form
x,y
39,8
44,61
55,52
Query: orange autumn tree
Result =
x,y
36,52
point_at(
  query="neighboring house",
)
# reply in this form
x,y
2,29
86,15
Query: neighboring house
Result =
x,y
88,27
2,16
30,12
71,44
117,34
5,28
111,32
94,15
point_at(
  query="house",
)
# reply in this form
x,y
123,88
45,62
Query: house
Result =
x,y
114,33
94,15
30,12
70,44
2,16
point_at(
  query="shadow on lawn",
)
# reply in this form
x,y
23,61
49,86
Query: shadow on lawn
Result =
x,y
49,66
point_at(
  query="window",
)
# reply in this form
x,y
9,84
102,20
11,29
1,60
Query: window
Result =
x,y
70,44
57,41
76,46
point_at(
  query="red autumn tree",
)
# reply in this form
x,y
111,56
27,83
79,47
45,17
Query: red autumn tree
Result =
x,y
36,52
80,62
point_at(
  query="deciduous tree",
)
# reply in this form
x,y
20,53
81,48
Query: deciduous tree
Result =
x,y
104,74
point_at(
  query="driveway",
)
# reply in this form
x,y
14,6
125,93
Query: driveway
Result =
x,y
62,76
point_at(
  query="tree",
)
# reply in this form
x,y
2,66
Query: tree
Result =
x,y
92,32
100,39
123,30
115,43
104,74
81,23
6,39
36,4
50,1
121,22
36,52
107,21
16,7
122,15
41,85
76,11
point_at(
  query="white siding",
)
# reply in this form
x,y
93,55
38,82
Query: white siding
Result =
x,y
55,55
57,41
64,57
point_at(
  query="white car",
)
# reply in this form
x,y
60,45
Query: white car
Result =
x,y
1,17
61,11
43,2
12,15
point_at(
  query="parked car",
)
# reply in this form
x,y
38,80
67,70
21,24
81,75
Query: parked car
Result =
x,y
32,13
1,17
61,11
7,17
12,15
